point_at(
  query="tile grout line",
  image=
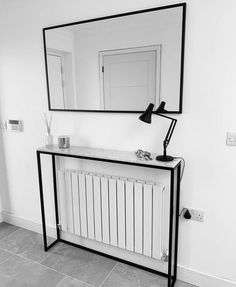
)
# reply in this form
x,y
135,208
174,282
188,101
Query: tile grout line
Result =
x,y
47,267
75,280
60,281
6,259
80,281
108,275
13,254
11,233
18,228
28,259
50,252
21,255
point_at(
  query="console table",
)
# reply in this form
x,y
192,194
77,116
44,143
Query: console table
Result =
x,y
120,158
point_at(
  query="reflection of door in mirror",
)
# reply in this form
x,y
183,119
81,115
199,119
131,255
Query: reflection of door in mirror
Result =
x,y
55,81
130,78
60,75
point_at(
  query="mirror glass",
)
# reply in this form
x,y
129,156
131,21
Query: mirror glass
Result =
x,y
119,63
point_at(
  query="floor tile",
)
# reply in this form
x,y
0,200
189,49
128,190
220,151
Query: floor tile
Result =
x,y
6,229
183,284
4,255
20,272
80,264
127,276
71,282
26,243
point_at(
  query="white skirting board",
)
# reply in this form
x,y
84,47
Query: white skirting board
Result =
x,y
25,223
185,274
202,279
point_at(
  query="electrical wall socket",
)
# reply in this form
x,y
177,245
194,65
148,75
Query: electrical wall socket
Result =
x,y
197,215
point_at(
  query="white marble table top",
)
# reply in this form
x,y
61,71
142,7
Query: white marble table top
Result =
x,y
107,154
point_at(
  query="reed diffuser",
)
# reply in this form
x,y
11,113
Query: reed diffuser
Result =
x,y
48,123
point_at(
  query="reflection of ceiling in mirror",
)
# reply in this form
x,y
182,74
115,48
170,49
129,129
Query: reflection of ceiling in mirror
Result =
x,y
164,18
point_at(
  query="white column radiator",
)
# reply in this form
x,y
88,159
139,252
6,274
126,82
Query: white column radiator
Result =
x,y
122,212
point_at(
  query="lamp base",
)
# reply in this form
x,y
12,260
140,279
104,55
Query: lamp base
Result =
x,y
164,158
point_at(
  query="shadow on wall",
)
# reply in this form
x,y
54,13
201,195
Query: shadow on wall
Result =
x,y
4,190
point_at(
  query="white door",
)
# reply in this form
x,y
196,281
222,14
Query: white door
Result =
x,y
55,79
130,79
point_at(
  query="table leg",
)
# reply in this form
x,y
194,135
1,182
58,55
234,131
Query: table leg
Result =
x,y
46,246
55,195
177,219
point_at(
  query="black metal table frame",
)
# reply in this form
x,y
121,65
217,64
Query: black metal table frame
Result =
x,y
174,212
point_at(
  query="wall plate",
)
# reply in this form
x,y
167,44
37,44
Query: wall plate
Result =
x,y
15,125
197,215
231,139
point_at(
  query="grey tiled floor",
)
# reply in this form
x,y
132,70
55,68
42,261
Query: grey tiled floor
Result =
x,y
23,263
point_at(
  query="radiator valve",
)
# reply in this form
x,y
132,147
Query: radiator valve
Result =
x,y
59,226
165,255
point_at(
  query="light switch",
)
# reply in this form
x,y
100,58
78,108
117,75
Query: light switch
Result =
x,y
231,139
15,125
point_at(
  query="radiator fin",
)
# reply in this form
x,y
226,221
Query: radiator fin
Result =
x,y
113,211
83,204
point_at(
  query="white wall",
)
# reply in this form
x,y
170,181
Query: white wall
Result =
x,y
209,111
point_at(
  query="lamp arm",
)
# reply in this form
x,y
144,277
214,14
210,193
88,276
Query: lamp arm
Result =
x,y
161,115
169,133
170,130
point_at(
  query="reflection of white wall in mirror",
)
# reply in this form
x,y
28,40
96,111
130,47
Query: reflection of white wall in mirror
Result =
x,y
61,44
130,78
160,27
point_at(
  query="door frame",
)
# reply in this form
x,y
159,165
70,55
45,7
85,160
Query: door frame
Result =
x,y
59,54
156,48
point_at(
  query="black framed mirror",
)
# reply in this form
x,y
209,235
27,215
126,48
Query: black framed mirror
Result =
x,y
117,63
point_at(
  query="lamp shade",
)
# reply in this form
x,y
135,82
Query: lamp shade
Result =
x,y
147,115
160,109
147,118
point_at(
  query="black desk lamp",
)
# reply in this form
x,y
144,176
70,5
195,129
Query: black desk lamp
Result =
x,y
147,118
